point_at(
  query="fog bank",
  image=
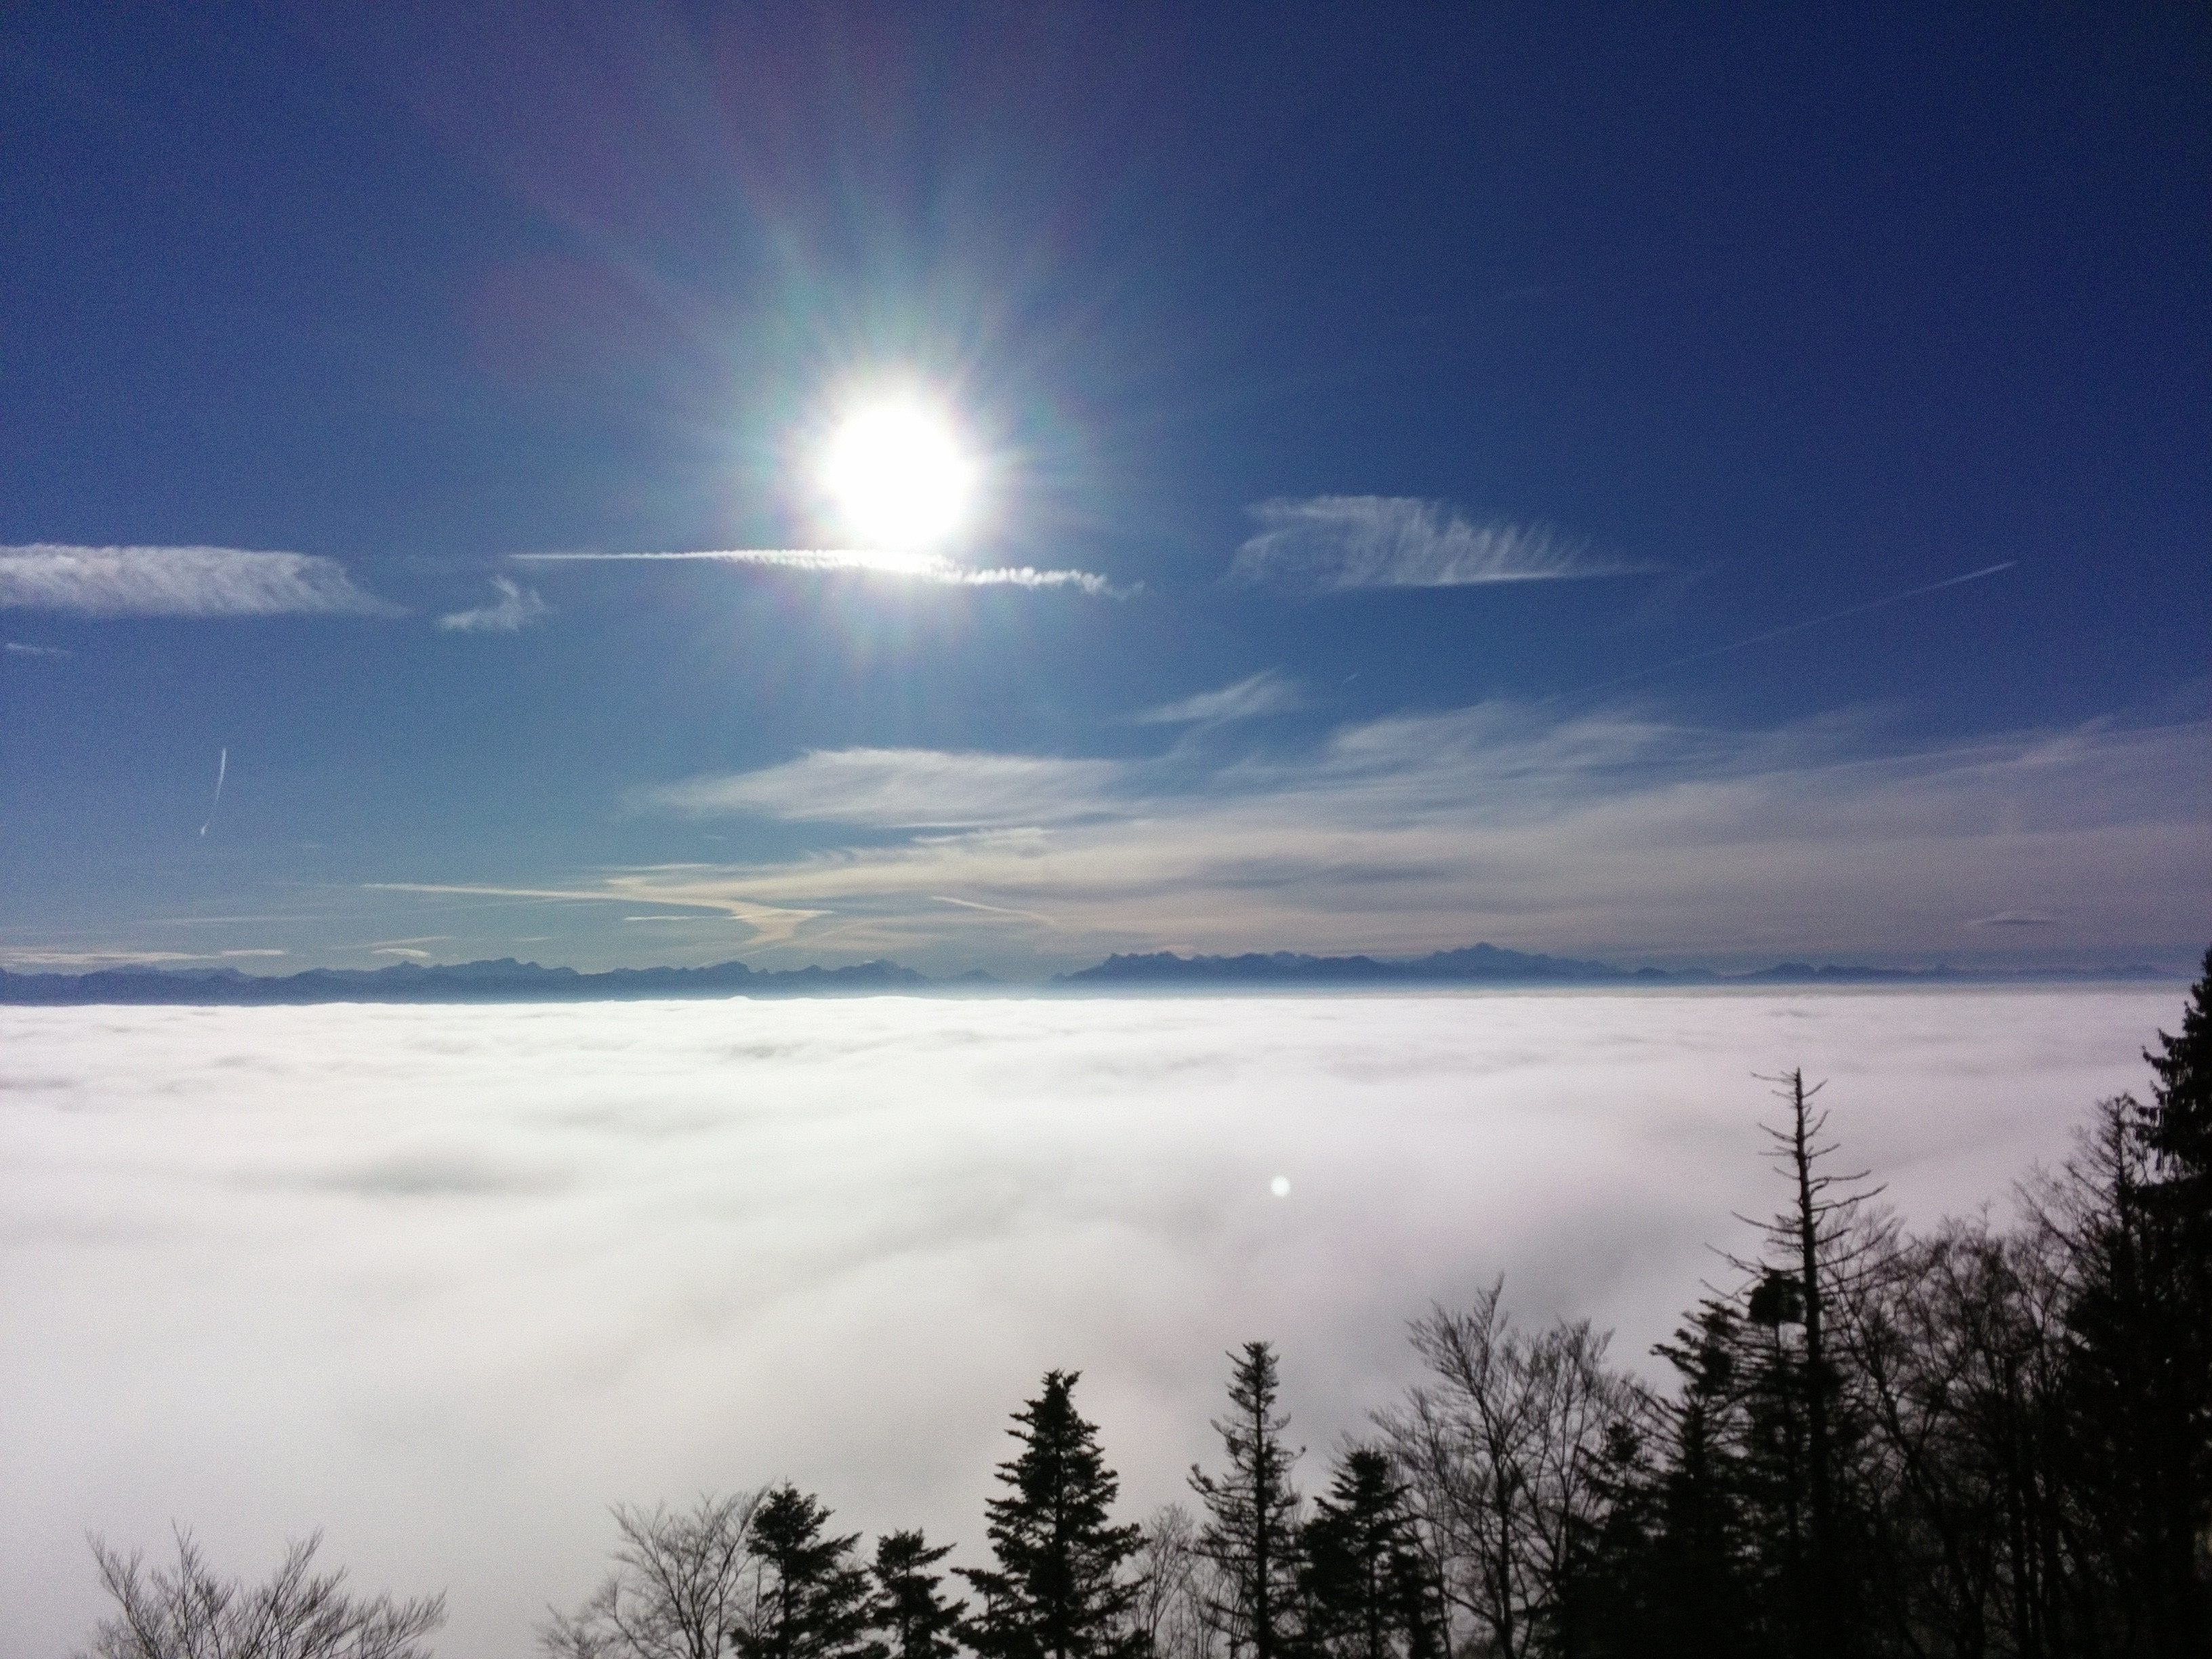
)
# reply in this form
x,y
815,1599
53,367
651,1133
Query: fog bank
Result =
x,y
448,1280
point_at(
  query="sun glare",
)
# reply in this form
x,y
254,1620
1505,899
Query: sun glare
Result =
x,y
898,477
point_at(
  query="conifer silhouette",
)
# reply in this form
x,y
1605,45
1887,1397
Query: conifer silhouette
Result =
x,y
918,1620
1252,1533
812,1601
1367,1591
1057,1591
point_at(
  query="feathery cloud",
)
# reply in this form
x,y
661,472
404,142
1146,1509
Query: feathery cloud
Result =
x,y
901,789
1337,544
1264,693
178,581
17,649
515,609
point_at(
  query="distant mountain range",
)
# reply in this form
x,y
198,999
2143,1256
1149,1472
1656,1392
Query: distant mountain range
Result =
x,y
509,981
1486,964
503,981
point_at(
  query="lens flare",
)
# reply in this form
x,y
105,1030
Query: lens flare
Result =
x,y
898,477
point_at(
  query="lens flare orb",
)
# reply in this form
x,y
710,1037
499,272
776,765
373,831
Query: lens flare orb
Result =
x,y
898,477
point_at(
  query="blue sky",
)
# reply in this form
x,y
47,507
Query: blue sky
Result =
x,y
1385,436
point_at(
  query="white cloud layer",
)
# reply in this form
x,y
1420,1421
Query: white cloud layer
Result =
x,y
449,1280
515,609
178,581
1335,543
1604,834
915,567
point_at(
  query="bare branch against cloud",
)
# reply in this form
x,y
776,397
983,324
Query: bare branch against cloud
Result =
x,y
16,648
1264,693
916,567
180,581
1337,544
515,609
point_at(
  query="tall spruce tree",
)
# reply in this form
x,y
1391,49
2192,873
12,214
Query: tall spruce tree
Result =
x,y
1059,1591
2177,1127
918,1620
1251,1533
2178,1124
1365,1589
812,1602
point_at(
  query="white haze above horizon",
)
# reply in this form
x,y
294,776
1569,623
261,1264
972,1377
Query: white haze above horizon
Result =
x,y
447,1281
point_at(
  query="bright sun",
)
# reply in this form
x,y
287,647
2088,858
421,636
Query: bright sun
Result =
x,y
898,477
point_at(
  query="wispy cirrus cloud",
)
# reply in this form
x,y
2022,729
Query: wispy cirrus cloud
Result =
x,y
901,789
17,649
1605,835
515,609
916,567
1339,544
654,885
1264,693
180,581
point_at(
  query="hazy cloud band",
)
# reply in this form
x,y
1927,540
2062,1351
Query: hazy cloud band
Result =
x,y
1599,836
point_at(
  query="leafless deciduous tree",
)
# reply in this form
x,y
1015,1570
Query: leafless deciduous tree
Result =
x,y
299,1613
1502,1452
680,1588
1177,1587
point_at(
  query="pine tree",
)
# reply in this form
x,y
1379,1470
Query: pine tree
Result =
x,y
1059,1591
812,1602
919,1621
1252,1534
1366,1590
2178,1125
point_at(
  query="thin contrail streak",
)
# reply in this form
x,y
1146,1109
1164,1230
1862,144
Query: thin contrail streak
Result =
x,y
222,765
1794,627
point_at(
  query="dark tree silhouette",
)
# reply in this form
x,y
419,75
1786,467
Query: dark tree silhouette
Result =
x,y
1251,1531
1815,1237
2178,1124
2139,1401
918,1620
810,1599
1059,1591
300,1613
1367,1590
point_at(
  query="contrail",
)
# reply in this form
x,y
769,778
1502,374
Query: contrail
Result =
x,y
222,765
1794,627
922,566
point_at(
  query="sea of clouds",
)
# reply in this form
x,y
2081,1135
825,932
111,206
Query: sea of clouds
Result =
x,y
447,1281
